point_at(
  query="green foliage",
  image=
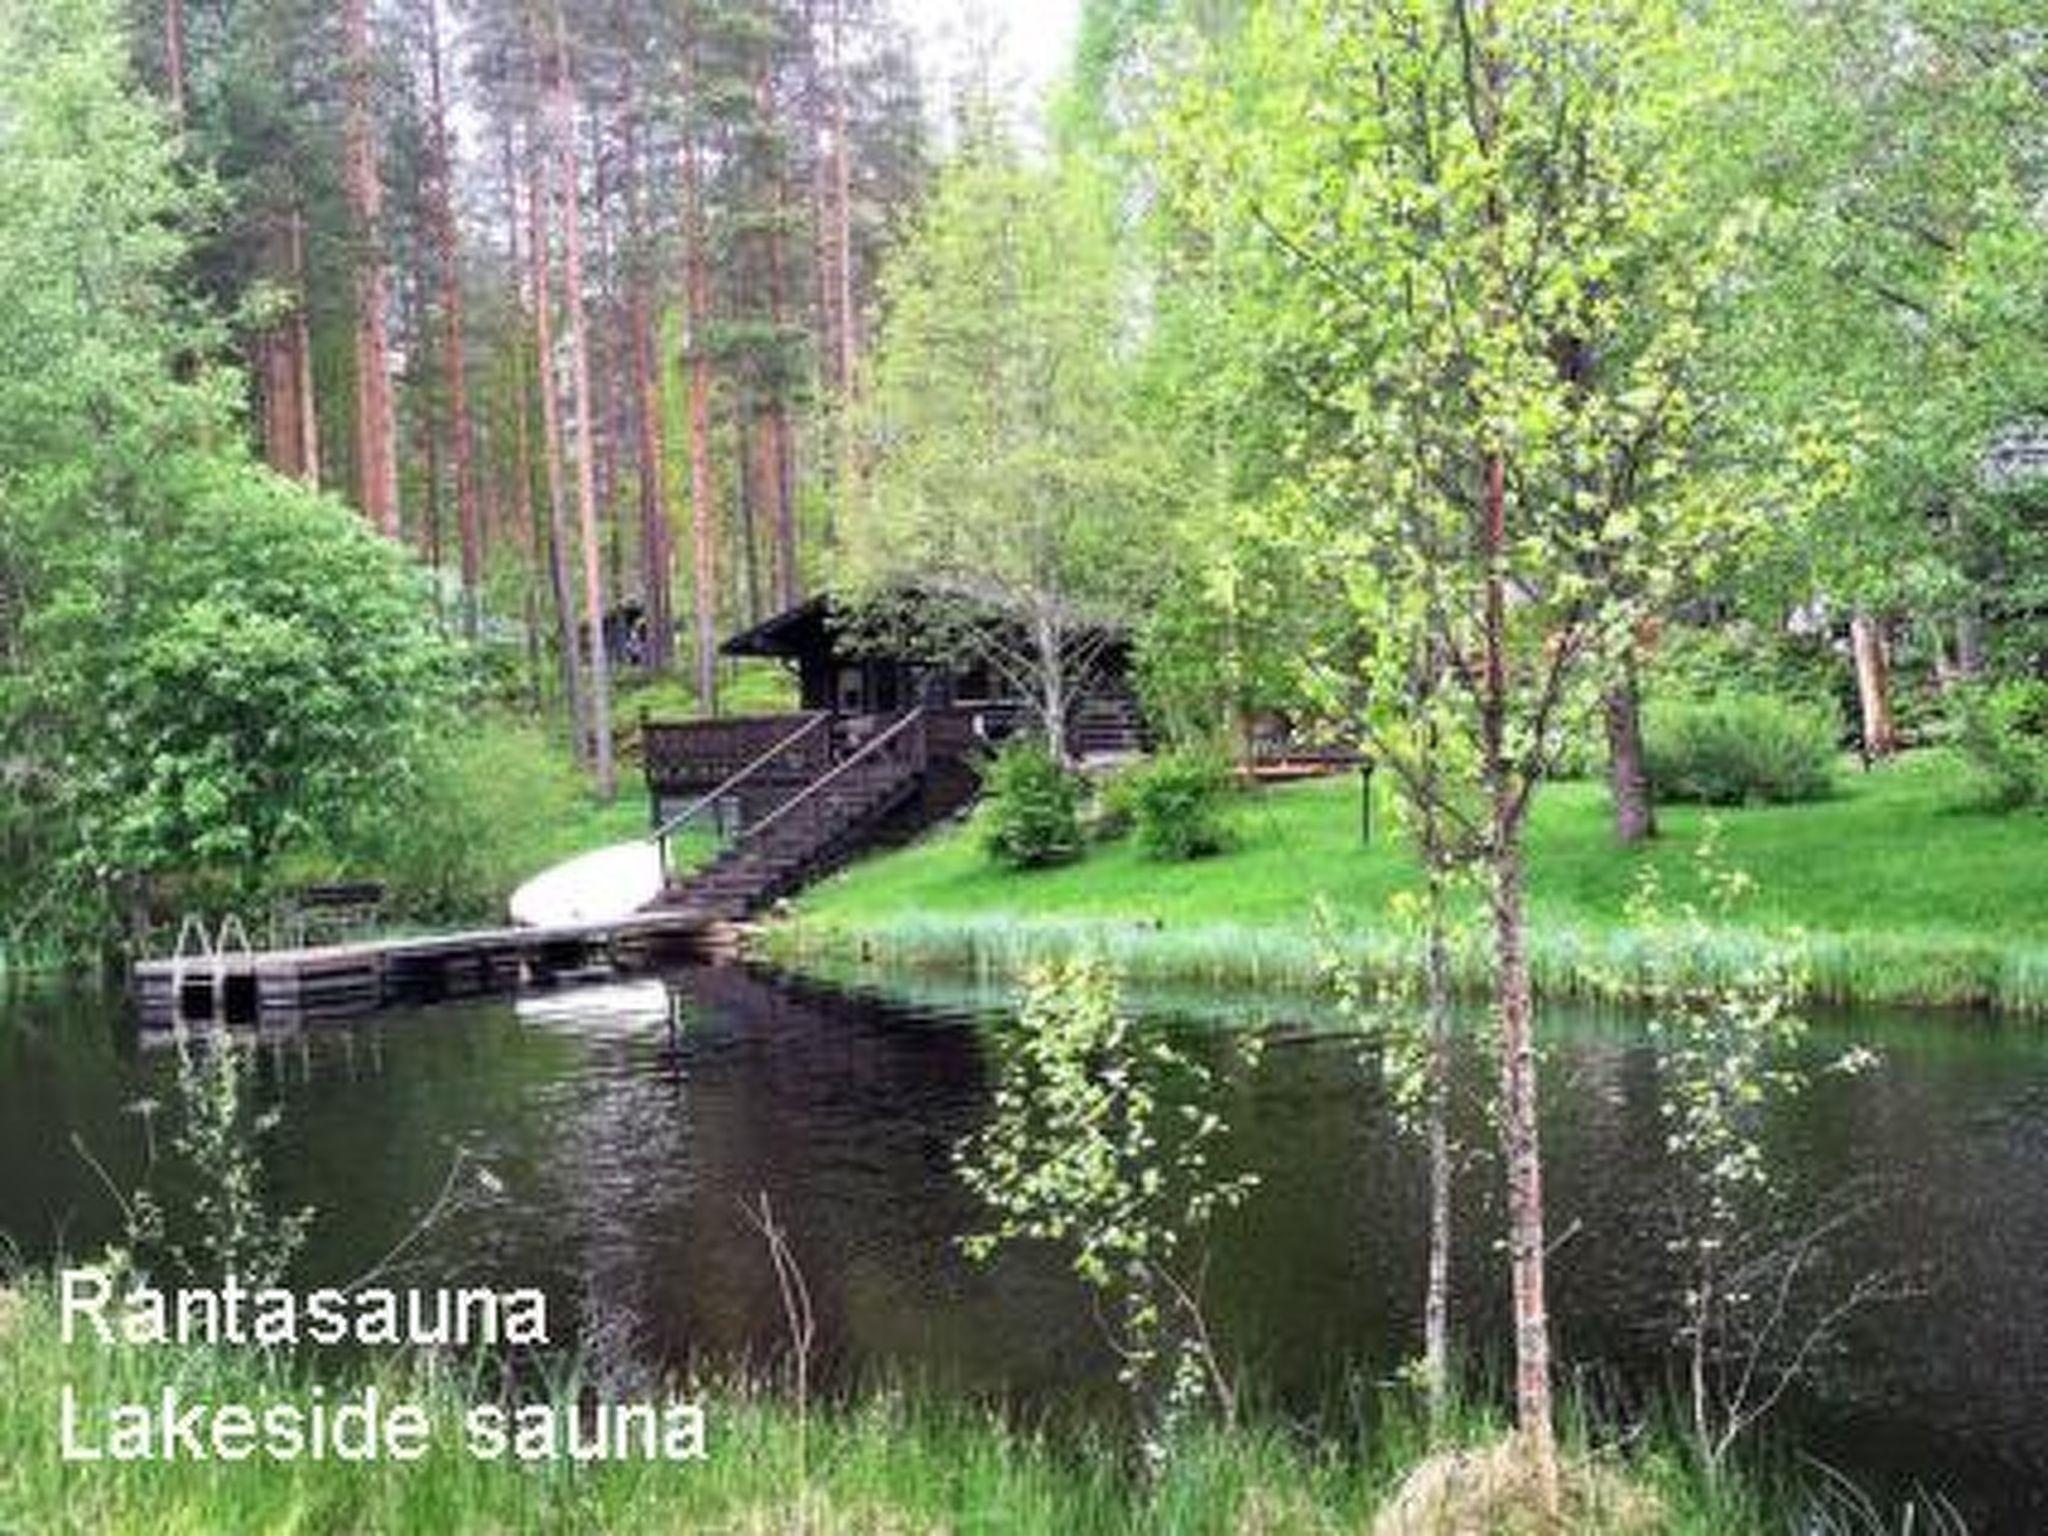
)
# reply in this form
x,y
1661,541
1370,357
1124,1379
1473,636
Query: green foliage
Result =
x,y
496,802
1009,471
1109,811
1102,1139
1725,1051
201,1215
204,667
2004,734
268,684
1031,816
1740,749
1177,804
218,1138
1701,662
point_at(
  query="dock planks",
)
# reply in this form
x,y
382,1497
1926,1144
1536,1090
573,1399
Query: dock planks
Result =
x,y
339,981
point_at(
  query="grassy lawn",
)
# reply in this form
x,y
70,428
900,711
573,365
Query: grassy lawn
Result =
x,y
1907,892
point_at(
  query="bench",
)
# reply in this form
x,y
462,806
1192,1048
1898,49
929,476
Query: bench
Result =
x,y
347,907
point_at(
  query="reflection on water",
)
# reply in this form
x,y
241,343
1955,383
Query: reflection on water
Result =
x,y
623,1126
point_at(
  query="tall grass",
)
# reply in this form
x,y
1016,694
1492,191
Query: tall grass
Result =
x,y
888,1462
1913,969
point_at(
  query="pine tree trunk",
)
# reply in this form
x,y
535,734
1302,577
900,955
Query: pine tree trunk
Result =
x,y
174,59
842,211
276,377
586,465
559,585
697,358
656,546
302,354
526,537
376,427
758,451
777,452
454,361
1873,686
1628,775
430,512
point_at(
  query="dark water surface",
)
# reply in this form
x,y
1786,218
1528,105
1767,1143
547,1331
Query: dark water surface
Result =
x,y
622,1126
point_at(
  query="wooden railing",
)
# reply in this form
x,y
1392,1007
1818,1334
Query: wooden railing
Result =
x,y
694,754
799,755
903,744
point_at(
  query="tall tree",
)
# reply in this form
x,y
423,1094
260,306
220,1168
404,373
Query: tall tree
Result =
x,y
1479,291
454,356
1009,473
697,360
656,553
569,192
558,539
376,424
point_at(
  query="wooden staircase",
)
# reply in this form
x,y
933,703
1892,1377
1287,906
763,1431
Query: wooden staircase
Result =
x,y
1107,724
834,816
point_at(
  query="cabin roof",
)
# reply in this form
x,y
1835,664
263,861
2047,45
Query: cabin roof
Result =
x,y
788,633
807,628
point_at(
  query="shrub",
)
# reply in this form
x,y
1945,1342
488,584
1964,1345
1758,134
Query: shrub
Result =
x,y
1033,816
496,802
2003,729
1112,808
1738,748
1177,803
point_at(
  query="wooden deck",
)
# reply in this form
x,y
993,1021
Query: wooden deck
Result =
x,y
338,981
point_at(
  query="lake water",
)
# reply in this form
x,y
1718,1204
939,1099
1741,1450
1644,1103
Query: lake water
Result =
x,y
622,1126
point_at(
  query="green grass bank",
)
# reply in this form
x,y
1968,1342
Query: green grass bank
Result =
x,y
1904,889
886,1464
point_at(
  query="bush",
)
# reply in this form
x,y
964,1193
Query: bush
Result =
x,y
1177,803
1737,749
1033,817
2003,729
272,687
1112,809
496,803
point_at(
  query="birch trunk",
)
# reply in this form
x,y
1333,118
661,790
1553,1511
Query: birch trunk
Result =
x,y
1521,1148
1436,1297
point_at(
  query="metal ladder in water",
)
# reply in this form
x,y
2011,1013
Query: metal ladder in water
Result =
x,y
195,946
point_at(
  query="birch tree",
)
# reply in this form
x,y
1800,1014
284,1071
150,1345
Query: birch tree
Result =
x,y
1008,475
1483,294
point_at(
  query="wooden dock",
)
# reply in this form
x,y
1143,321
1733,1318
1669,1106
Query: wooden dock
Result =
x,y
339,981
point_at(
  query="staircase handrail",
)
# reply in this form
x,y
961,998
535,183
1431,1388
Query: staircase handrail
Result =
x,y
819,785
661,834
